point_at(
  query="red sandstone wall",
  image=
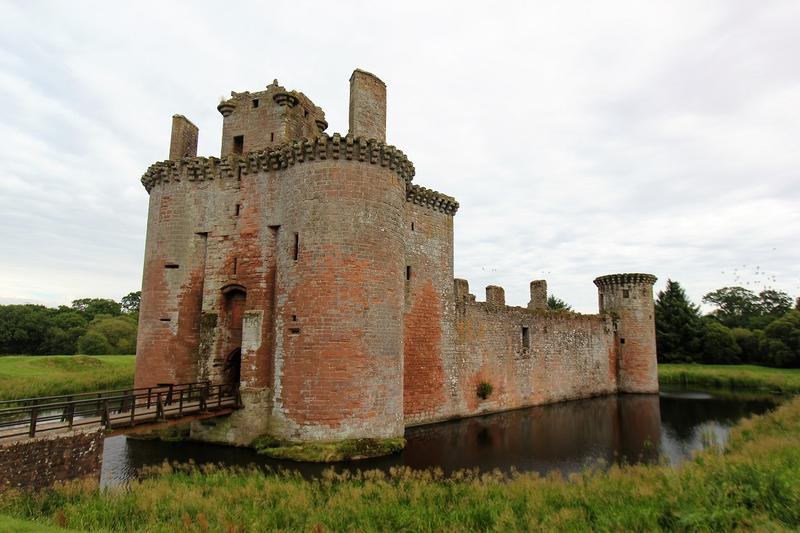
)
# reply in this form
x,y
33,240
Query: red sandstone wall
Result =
x,y
429,310
570,356
339,344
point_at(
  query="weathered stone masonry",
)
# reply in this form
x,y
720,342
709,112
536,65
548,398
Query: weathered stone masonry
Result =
x,y
310,270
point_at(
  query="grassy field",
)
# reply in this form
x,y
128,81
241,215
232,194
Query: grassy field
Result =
x,y
731,376
751,486
25,376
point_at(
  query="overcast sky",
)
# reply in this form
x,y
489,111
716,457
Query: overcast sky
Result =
x,y
581,138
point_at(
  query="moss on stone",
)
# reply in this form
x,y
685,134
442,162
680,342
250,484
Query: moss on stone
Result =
x,y
328,452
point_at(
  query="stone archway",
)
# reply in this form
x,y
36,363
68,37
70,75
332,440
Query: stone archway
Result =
x,y
234,301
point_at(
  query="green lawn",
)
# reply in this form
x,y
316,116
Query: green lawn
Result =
x,y
24,376
20,526
731,376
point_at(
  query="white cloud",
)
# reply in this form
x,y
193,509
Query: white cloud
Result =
x,y
581,139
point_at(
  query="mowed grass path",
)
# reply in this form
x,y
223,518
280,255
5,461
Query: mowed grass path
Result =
x,y
25,376
731,376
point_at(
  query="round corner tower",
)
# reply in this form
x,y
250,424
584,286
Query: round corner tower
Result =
x,y
630,298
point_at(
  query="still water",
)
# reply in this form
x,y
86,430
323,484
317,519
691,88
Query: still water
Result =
x,y
566,436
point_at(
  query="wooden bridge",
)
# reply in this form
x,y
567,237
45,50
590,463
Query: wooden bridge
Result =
x,y
116,411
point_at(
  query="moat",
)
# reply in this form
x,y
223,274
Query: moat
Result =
x,y
565,437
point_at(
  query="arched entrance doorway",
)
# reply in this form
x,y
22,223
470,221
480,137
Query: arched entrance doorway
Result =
x,y
235,298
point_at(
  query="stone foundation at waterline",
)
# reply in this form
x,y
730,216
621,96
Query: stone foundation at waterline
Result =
x,y
310,269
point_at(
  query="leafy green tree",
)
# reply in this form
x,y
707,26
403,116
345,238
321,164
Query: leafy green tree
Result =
x,y
94,343
735,305
679,327
131,301
91,307
22,328
786,330
719,344
557,304
119,333
65,327
751,344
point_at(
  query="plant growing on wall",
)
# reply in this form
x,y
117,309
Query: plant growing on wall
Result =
x,y
484,390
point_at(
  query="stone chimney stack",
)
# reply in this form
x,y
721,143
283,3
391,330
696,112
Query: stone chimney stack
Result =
x,y
538,295
367,106
183,142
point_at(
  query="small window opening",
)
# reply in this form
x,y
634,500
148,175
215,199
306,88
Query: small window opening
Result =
x,y
408,273
272,137
412,226
165,319
239,172
526,337
172,265
255,103
626,293
294,331
238,209
305,112
296,249
235,265
238,144
622,341
294,318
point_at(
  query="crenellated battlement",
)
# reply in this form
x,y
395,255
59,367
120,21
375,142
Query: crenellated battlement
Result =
x,y
286,155
625,279
431,199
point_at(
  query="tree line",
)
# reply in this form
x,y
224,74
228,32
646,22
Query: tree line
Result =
x,y
743,327
91,326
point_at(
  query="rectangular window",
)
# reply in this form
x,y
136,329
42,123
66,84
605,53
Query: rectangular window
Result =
x,y
235,265
294,331
526,338
626,293
238,144
408,273
255,103
172,265
238,209
272,137
622,341
412,226
296,249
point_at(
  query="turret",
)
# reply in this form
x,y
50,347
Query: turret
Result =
x,y
183,141
259,120
630,298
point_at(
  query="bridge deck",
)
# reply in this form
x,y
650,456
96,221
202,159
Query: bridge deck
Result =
x,y
115,411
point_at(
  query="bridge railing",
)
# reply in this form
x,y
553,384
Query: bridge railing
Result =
x,y
114,409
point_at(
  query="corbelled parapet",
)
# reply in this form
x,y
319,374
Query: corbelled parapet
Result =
x,y
625,279
431,199
288,154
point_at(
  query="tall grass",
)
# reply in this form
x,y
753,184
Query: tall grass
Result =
x,y
731,376
751,485
24,376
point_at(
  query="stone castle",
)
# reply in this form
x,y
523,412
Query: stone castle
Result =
x,y
311,271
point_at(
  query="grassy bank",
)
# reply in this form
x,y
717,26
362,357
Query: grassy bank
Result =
x,y
753,485
23,376
731,376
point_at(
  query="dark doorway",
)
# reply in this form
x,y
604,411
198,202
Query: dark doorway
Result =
x,y
232,369
235,299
